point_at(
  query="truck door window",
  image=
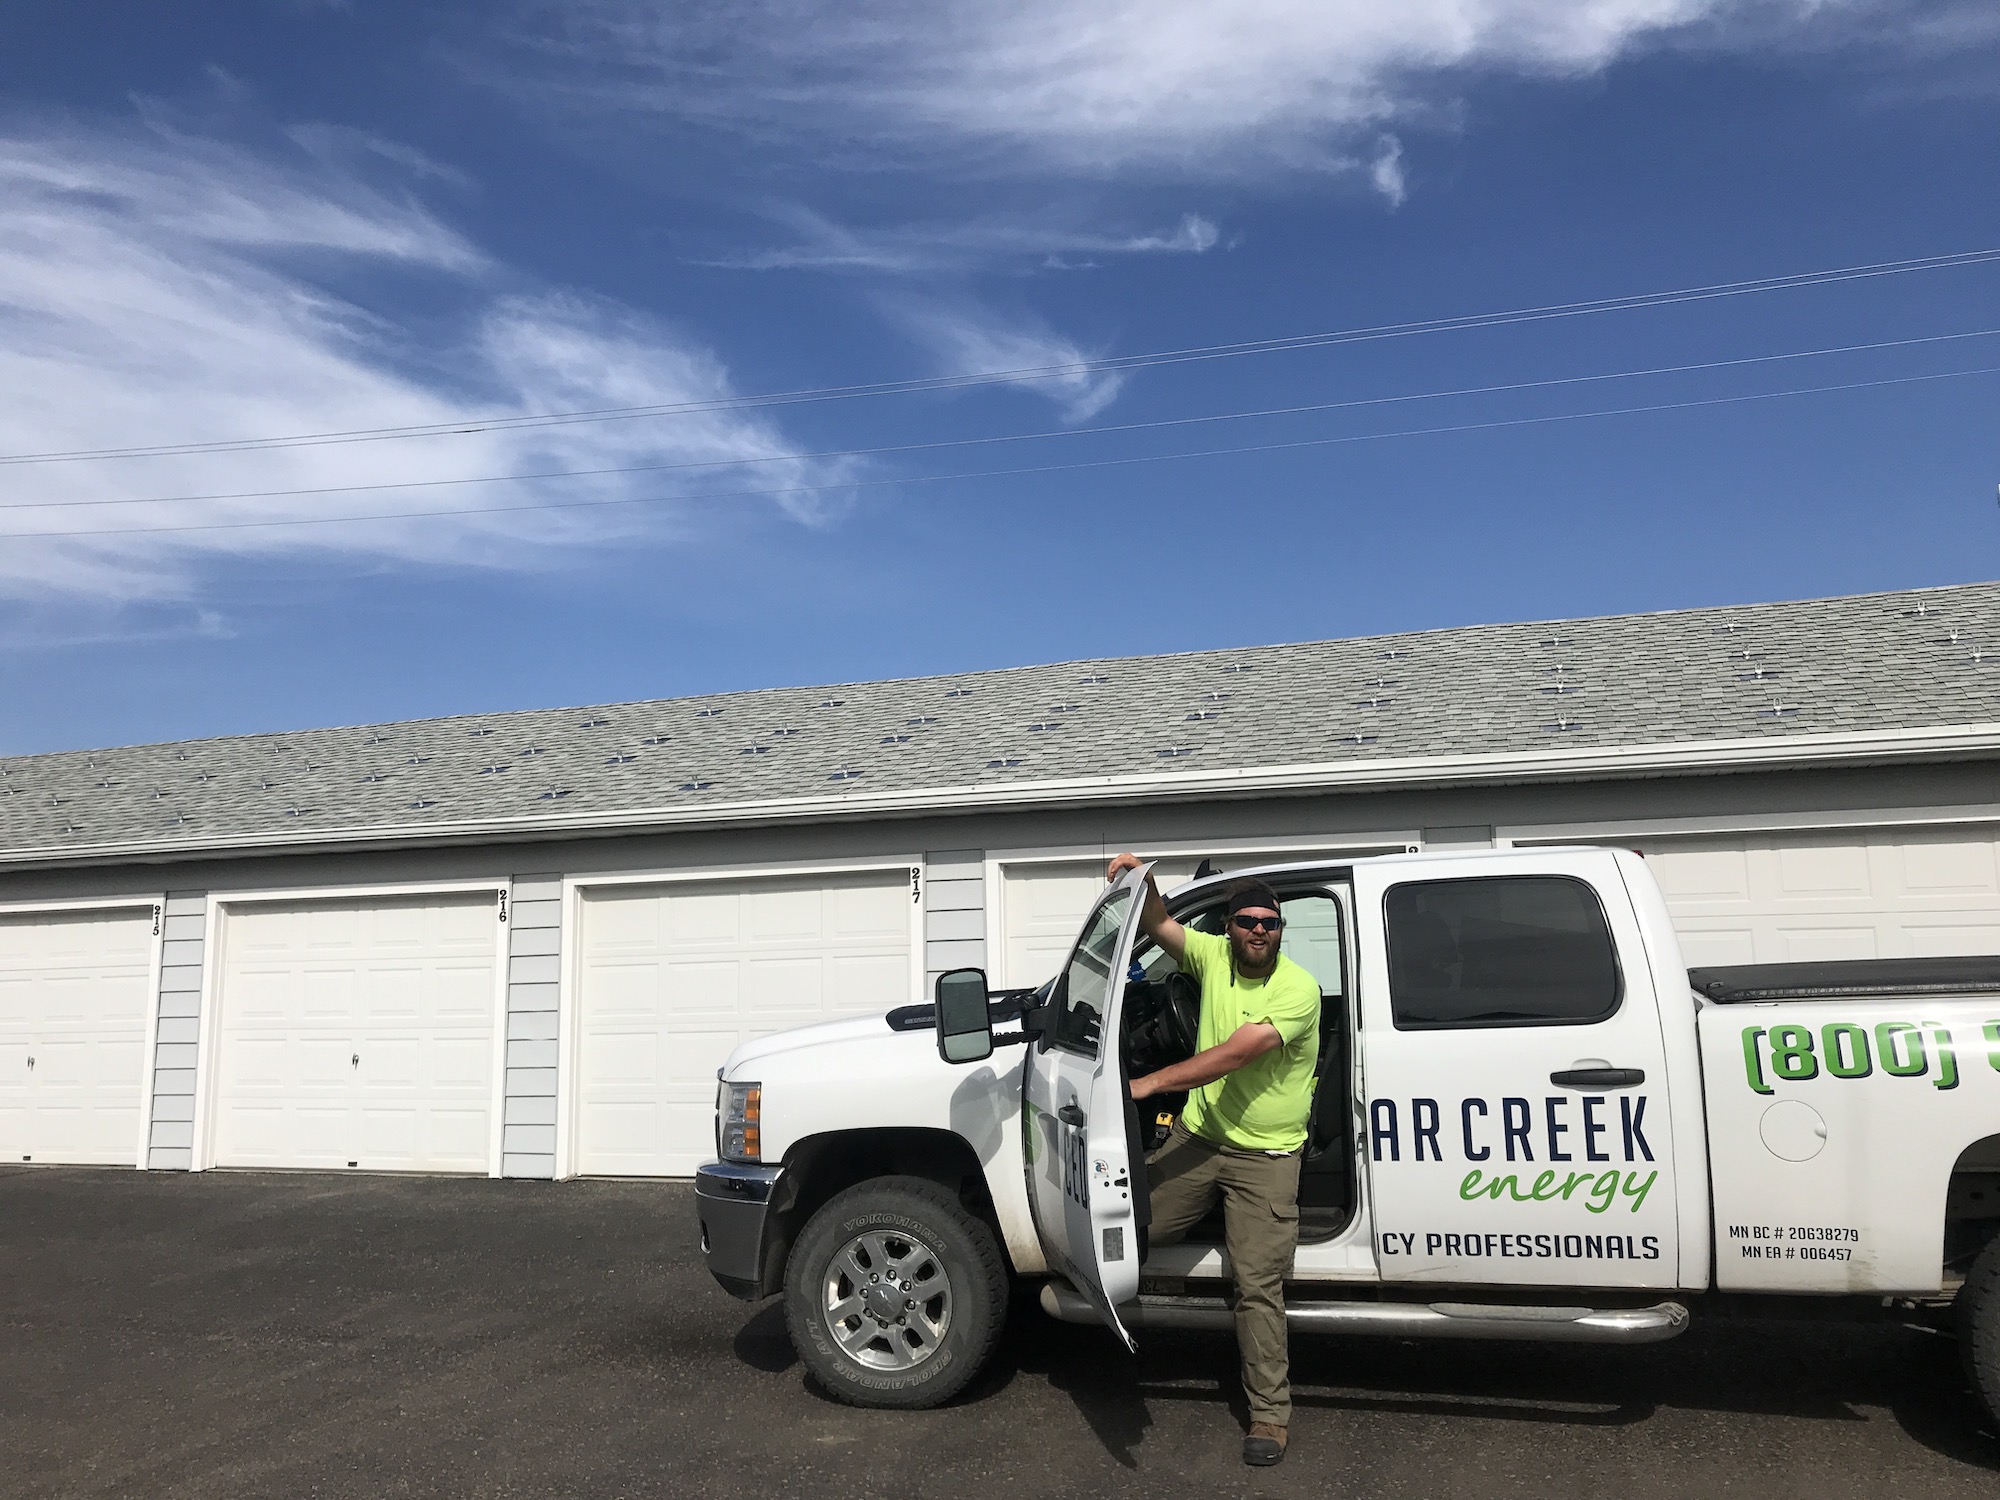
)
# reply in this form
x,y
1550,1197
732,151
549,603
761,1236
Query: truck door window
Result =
x,y
1086,978
1515,950
1311,938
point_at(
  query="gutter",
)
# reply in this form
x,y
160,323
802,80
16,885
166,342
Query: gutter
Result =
x,y
1868,747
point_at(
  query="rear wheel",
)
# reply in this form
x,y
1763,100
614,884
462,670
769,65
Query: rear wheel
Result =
x,y
895,1295
1978,1314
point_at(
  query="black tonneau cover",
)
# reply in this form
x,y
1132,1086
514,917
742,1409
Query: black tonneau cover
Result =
x,y
1848,979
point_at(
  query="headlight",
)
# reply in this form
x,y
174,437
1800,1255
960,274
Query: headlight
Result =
x,y
739,1112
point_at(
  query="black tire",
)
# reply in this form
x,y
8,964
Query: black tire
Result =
x,y
915,1228
1977,1307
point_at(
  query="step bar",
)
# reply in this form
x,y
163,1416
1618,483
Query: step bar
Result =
x,y
1402,1320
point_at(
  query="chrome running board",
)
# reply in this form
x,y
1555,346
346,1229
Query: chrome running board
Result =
x,y
1403,1320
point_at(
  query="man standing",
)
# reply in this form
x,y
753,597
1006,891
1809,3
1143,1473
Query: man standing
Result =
x,y
1250,1092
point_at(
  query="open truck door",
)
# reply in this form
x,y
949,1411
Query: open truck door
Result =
x,y
1086,1172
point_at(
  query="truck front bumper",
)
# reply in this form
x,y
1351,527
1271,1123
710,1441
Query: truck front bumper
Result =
x,y
734,1201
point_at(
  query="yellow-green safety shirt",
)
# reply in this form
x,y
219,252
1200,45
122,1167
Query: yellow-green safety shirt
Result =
x,y
1263,1105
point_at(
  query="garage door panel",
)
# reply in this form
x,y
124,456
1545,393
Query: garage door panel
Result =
x,y
459,1136
777,915
86,1132
458,994
16,1140
782,986
404,984
869,911
1949,868
695,992
65,1064
697,916
1693,876
1828,944
392,1062
388,994
855,984
327,996
461,1063
17,1002
389,1136
1953,939
625,991
692,1060
623,923
262,997
68,1001
615,1060
1816,871
728,961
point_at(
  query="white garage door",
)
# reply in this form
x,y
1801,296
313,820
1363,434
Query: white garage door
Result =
x,y
674,976
358,1034
74,994
1042,907
1888,893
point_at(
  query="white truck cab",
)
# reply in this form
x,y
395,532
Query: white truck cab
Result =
x,y
1531,1122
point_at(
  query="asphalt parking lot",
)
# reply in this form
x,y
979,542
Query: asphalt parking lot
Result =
x,y
291,1335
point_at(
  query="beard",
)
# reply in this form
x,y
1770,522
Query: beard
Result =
x,y
1247,966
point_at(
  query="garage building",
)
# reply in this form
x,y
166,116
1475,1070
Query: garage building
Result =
x,y
520,944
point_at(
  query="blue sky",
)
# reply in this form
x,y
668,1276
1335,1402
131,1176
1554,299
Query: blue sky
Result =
x,y
241,222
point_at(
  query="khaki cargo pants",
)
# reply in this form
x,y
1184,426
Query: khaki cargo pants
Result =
x,y
1260,1217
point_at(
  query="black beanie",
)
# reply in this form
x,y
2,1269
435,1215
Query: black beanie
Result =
x,y
1250,892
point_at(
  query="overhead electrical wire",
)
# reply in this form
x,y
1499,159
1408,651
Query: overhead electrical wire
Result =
x,y
1019,375
1072,467
1510,388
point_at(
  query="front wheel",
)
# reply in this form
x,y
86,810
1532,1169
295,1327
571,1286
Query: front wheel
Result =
x,y
895,1295
1978,1315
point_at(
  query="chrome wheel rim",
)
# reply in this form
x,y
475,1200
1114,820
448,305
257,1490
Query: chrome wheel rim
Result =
x,y
886,1300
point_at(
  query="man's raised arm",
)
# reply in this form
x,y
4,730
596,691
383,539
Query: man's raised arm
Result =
x,y
1160,927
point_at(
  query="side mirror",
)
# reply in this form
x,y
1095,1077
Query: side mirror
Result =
x,y
964,1029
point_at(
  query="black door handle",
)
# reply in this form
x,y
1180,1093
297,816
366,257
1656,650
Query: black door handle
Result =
x,y
1598,1078
1069,1114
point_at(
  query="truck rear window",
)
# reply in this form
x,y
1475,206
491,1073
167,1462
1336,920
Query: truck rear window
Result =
x,y
1512,950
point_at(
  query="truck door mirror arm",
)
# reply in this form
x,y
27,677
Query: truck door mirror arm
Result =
x,y
965,1010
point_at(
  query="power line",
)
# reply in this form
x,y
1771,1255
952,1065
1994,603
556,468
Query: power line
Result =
x,y
1102,463
1513,387
1067,370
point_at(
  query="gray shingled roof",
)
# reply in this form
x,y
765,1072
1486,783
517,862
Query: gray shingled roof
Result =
x,y
1776,674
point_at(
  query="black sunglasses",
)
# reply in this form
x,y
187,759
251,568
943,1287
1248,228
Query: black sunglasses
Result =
x,y
1257,924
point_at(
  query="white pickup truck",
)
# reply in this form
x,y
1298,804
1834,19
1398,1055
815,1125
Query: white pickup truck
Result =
x,y
1532,1122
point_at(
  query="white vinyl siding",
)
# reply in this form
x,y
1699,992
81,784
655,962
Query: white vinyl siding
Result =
x,y
1877,893
75,989
358,1033
674,976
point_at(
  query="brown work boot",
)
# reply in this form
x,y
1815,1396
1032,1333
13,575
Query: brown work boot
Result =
x,y
1265,1445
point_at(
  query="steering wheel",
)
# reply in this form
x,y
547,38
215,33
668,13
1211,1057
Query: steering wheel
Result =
x,y
1180,1012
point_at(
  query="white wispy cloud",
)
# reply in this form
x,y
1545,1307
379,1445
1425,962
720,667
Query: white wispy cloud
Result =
x,y
963,336
1386,171
163,289
820,243
1184,86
